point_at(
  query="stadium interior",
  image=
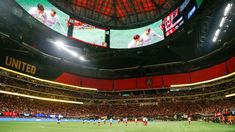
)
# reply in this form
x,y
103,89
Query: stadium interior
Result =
x,y
51,74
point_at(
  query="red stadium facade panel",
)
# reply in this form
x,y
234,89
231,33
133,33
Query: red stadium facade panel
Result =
x,y
209,73
152,82
149,82
176,79
97,83
125,84
231,65
68,78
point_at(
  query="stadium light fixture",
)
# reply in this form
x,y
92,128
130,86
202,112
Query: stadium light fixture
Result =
x,y
73,53
216,35
60,44
226,12
227,9
230,95
82,58
214,39
47,81
39,98
222,22
217,32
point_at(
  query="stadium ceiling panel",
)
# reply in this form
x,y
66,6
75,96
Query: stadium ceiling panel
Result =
x,y
117,14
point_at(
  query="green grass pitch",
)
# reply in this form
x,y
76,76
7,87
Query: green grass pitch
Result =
x,y
79,127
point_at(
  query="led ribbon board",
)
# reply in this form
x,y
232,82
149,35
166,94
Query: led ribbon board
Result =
x,y
177,18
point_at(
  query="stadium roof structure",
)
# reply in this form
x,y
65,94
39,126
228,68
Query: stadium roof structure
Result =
x,y
117,14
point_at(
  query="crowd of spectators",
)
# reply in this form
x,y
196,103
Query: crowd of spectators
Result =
x,y
202,100
9,103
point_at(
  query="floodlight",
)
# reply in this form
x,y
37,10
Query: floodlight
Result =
x,y
60,44
82,58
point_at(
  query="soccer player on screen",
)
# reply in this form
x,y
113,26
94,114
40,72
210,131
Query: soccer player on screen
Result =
x,y
136,42
38,12
149,35
52,19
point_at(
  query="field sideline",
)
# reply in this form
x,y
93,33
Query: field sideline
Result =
x,y
79,127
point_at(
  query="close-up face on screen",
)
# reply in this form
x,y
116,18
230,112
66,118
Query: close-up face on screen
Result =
x,y
138,37
46,13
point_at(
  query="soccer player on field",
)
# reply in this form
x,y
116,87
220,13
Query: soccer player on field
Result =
x,y
126,121
144,121
94,121
104,121
119,121
189,120
223,119
83,121
99,120
58,120
111,121
136,120
230,120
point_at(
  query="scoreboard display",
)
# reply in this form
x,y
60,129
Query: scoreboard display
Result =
x,y
178,17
